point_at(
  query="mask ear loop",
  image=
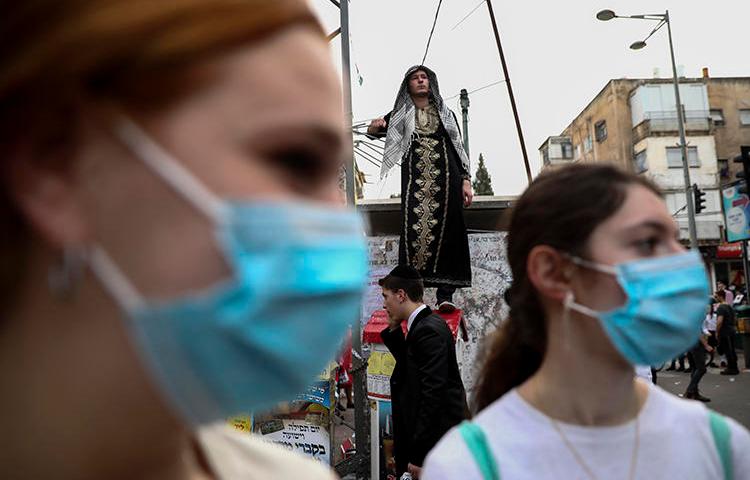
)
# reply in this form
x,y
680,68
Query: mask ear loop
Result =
x,y
569,298
169,169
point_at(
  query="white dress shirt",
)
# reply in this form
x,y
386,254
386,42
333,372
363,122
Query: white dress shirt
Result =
x,y
413,316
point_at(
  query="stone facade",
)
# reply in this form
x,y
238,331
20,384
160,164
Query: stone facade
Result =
x,y
610,106
730,95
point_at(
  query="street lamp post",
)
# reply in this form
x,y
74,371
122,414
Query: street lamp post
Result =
x,y
465,115
663,19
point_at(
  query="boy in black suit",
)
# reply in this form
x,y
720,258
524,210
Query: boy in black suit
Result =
x,y
426,389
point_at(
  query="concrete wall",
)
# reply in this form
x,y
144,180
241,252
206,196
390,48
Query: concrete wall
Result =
x,y
672,178
610,105
730,95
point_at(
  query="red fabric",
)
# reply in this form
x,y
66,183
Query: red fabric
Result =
x,y
345,360
379,320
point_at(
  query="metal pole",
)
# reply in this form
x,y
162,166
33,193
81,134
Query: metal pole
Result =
x,y
683,142
347,91
359,380
465,117
510,92
746,268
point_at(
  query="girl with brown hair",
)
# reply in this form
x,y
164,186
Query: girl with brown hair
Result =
x,y
169,230
600,283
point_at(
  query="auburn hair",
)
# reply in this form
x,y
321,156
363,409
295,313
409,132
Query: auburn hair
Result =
x,y
57,54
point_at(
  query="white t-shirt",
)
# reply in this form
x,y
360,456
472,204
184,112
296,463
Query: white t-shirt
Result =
x,y
709,323
675,442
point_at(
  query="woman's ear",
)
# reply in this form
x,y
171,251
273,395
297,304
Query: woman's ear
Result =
x,y
47,198
549,272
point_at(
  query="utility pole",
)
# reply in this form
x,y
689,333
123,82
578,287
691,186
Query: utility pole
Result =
x,y
510,92
465,116
347,91
359,464
683,142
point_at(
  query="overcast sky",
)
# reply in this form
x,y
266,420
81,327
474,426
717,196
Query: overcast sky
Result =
x,y
559,57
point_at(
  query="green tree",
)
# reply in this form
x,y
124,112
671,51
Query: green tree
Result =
x,y
482,181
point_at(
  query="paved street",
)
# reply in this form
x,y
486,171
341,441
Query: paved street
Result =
x,y
730,395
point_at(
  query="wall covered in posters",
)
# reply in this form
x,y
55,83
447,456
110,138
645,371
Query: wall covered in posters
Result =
x,y
482,304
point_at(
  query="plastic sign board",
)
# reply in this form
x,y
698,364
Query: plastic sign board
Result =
x,y
299,436
736,208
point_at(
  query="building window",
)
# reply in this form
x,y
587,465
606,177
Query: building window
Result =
x,y
674,157
717,116
567,150
587,144
723,167
639,162
745,117
600,131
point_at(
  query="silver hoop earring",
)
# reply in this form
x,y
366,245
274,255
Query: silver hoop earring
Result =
x,y
64,277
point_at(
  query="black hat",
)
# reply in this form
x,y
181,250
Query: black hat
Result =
x,y
407,272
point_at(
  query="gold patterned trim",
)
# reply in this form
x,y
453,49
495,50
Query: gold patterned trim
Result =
x,y
425,195
427,120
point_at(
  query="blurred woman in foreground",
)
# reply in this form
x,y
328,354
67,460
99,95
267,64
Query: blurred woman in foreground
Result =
x,y
170,252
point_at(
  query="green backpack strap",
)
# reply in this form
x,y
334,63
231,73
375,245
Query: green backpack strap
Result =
x,y
477,442
722,440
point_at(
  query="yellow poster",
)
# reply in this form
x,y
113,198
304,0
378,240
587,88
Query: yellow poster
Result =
x,y
381,363
243,423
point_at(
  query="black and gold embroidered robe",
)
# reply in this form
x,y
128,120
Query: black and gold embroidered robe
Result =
x,y
433,233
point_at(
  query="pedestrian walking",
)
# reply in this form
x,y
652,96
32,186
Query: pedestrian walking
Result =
x,y
171,252
721,288
428,396
598,287
709,328
697,356
726,329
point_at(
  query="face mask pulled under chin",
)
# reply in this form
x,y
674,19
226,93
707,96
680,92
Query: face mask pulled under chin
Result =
x,y
663,312
263,335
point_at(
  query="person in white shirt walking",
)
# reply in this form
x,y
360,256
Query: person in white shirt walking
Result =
x,y
600,283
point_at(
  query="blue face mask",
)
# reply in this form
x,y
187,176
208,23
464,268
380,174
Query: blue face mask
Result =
x,y
663,313
263,335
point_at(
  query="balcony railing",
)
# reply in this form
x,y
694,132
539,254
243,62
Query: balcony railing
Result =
x,y
665,123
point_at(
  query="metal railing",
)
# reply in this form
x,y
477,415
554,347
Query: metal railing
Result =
x,y
662,122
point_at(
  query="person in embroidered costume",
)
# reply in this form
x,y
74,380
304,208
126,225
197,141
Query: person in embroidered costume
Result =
x,y
422,136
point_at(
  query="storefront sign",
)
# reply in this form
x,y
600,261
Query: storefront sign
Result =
x,y
729,250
